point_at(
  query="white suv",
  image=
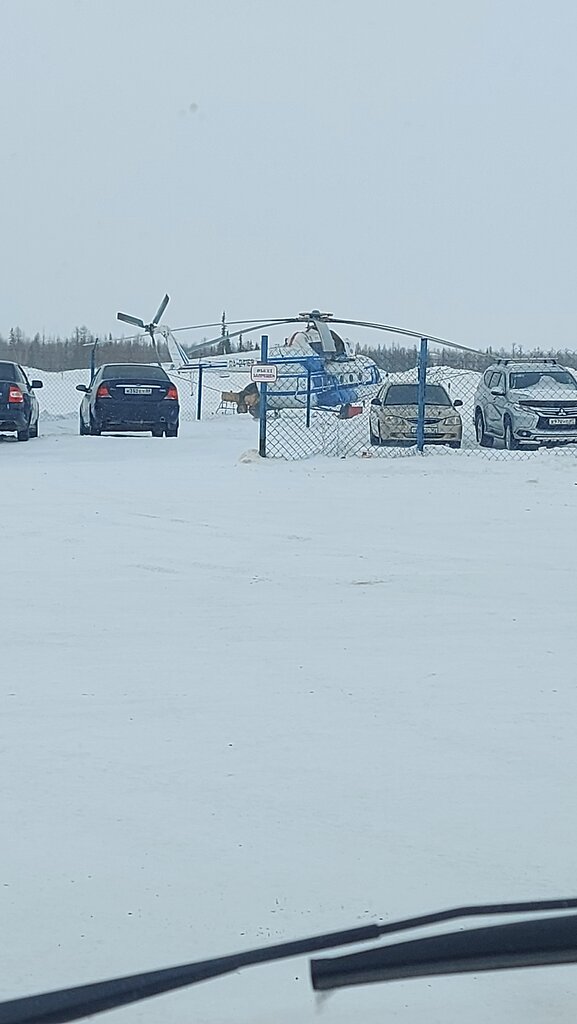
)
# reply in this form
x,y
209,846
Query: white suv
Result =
x,y
526,402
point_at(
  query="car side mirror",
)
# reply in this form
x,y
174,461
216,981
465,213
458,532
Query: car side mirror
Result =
x,y
376,401
82,387
36,384
457,403
497,394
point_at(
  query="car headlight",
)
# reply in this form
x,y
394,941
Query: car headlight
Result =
x,y
393,421
518,408
452,421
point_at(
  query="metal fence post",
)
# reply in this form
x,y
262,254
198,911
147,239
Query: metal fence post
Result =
x,y
93,360
309,375
422,383
262,403
199,393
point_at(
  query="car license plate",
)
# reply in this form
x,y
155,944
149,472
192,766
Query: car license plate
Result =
x,y
429,431
138,391
562,422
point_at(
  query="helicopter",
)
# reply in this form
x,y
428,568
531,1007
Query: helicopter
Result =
x,y
315,364
316,367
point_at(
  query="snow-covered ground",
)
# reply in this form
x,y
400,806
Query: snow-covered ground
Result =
x,y
245,701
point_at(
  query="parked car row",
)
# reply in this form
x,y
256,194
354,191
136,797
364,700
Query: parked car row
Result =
x,y
517,402
520,403
120,396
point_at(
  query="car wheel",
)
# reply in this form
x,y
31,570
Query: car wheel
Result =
x,y
157,431
172,431
82,429
23,435
511,444
34,430
484,439
94,431
454,444
374,438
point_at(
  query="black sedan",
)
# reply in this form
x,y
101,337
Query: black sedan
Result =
x,y
130,396
19,409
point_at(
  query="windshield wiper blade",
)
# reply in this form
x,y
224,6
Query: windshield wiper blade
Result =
x,y
86,1000
536,943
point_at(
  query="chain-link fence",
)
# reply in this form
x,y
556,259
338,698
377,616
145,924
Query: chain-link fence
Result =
x,y
516,407
208,389
513,409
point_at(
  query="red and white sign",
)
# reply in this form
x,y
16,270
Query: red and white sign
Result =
x,y
263,373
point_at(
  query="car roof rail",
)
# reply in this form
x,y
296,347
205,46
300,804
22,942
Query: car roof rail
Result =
x,y
527,359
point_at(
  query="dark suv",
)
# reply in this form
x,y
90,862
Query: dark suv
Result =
x,y
19,409
526,402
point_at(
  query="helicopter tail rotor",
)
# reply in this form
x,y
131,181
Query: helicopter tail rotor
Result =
x,y
138,322
135,320
160,311
150,328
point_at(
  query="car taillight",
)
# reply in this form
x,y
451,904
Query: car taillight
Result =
x,y
172,393
15,394
103,392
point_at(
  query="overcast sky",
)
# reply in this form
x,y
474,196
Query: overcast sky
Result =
x,y
409,161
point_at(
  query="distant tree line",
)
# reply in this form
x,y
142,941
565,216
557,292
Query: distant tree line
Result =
x,y
396,358
74,352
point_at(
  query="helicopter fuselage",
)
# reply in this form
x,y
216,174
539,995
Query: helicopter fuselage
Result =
x,y
322,382
308,374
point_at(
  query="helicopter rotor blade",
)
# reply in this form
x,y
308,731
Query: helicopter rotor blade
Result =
x,y
235,334
320,322
263,321
130,319
160,310
199,327
270,322
409,334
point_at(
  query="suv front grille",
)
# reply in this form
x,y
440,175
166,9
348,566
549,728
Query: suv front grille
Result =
x,y
551,408
428,419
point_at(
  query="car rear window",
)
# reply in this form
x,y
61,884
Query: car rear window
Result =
x,y
8,372
407,394
134,371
